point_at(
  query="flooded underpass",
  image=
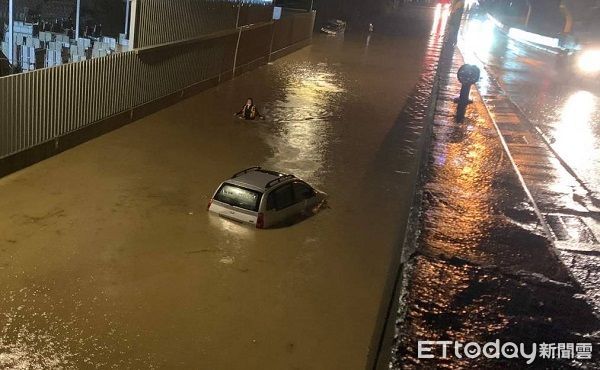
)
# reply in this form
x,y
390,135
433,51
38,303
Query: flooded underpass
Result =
x,y
109,259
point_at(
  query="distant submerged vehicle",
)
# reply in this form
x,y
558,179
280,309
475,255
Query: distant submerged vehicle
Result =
x,y
334,27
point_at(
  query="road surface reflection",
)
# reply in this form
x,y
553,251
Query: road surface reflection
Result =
x,y
133,272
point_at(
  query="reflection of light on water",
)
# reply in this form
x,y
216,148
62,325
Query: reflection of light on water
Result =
x,y
573,134
314,83
440,18
25,353
464,224
477,40
39,330
233,229
304,121
466,166
27,340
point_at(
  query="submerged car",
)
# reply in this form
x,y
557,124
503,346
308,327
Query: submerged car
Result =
x,y
334,27
264,198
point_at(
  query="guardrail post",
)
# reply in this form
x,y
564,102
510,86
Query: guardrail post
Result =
x,y
133,24
272,39
127,16
77,19
11,40
237,20
235,55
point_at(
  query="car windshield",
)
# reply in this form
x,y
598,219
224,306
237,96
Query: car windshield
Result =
x,y
239,197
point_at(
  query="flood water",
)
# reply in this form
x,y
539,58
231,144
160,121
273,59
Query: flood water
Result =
x,y
108,257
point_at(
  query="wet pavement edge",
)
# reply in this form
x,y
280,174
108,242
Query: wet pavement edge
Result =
x,y
539,293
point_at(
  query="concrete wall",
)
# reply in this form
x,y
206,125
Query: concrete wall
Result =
x,y
47,111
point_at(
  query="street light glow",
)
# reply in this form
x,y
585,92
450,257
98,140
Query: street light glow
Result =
x,y
589,61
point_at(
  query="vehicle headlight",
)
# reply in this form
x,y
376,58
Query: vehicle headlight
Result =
x,y
589,61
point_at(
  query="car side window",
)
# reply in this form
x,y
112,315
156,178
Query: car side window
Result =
x,y
271,202
302,191
283,197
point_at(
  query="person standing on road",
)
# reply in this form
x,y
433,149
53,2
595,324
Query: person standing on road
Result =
x,y
249,111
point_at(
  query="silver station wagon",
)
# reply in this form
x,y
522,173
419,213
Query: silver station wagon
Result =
x,y
265,198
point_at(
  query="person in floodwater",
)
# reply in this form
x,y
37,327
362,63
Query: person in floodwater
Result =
x,y
249,111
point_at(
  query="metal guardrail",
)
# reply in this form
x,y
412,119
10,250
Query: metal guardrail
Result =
x,y
40,106
162,21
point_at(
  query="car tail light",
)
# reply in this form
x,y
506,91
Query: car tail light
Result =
x,y
260,221
209,204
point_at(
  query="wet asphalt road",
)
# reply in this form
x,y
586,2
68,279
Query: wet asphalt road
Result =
x,y
558,98
108,257
561,167
483,270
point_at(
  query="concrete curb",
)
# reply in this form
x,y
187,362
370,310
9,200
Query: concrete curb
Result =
x,y
380,352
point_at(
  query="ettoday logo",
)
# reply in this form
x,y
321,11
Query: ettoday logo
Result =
x,y
508,350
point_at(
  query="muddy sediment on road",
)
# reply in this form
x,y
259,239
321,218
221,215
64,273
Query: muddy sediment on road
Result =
x,y
483,269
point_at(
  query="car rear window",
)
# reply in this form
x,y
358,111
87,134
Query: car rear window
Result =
x,y
239,197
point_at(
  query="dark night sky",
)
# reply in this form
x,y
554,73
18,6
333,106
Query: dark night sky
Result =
x,y
351,10
354,11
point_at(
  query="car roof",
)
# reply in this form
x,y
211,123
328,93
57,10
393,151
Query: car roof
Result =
x,y
259,179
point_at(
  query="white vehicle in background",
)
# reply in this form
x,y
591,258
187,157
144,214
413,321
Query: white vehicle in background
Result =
x,y
264,198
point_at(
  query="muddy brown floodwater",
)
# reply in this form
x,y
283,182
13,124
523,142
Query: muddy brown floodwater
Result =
x,y
108,257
